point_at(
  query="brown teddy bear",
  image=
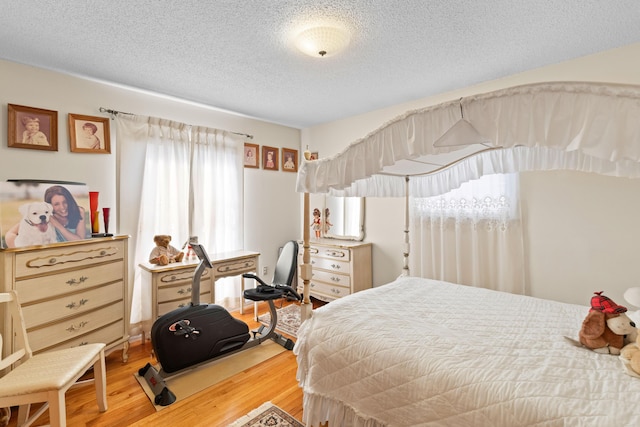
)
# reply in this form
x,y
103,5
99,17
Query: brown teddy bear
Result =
x,y
630,356
164,253
607,328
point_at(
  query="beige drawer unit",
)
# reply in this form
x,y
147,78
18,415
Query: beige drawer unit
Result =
x,y
71,293
339,268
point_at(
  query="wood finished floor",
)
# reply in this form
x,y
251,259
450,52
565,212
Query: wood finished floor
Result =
x,y
219,405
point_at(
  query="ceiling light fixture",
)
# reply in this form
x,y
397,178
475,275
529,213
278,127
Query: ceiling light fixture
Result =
x,y
322,41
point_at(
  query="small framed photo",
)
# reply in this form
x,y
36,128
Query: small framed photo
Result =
x,y
289,160
33,128
89,134
251,154
314,155
270,158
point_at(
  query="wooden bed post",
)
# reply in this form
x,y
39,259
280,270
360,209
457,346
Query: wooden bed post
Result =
x,y
405,252
305,269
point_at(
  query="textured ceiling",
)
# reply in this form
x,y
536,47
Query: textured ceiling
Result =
x,y
238,55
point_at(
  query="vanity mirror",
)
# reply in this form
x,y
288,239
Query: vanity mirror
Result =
x,y
343,218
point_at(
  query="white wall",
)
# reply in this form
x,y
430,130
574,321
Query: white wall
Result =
x,y
571,281
582,234
271,204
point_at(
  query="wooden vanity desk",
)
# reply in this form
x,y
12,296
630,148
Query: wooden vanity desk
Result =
x,y
170,284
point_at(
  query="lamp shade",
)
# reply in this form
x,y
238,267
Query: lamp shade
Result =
x,y
322,41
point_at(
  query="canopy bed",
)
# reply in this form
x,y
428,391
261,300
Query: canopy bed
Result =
x,y
424,352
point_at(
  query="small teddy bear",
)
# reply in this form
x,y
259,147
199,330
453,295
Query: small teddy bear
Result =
x,y
164,253
630,355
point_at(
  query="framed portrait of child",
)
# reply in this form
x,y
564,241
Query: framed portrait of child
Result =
x,y
32,128
270,158
88,134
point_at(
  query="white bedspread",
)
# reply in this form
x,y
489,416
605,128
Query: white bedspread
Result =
x,y
419,352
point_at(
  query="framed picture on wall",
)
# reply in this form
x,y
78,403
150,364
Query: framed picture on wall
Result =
x,y
88,134
289,160
270,158
314,155
251,155
32,128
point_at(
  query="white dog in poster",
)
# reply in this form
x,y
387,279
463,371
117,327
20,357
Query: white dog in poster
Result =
x,y
35,228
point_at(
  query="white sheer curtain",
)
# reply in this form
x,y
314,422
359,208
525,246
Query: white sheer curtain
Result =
x,y
192,185
217,176
471,235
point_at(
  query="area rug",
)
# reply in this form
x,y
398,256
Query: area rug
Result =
x,y
267,414
288,319
197,379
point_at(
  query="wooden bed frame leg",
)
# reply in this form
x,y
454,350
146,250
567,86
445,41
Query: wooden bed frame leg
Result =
x,y
305,269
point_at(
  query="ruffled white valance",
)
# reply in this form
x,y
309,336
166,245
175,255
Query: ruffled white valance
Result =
x,y
591,127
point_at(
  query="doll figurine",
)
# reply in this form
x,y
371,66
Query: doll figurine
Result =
x,y
316,225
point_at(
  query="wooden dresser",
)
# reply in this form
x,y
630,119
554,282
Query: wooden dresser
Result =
x,y
339,268
71,293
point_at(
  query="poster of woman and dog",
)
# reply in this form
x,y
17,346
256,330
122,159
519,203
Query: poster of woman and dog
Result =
x,y
34,213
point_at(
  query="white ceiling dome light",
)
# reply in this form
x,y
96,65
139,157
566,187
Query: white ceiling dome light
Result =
x,y
323,40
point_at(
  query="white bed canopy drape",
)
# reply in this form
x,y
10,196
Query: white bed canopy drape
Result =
x,y
590,127
582,126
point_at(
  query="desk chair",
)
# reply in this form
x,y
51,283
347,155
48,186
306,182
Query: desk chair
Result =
x,y
280,287
45,377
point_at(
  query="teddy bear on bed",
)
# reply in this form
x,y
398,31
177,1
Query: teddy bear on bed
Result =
x,y
164,253
630,355
607,328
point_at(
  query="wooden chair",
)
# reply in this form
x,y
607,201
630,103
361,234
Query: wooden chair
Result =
x,y
45,377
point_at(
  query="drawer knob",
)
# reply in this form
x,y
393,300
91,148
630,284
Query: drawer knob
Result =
x,y
335,291
73,305
72,282
74,328
53,261
335,266
335,279
184,291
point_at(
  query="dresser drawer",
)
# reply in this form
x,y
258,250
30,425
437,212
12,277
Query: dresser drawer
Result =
x,y
76,327
71,305
48,261
333,253
184,276
164,308
109,334
236,267
72,281
330,264
331,277
333,291
181,291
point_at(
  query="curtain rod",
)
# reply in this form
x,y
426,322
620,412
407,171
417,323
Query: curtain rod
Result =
x,y
116,112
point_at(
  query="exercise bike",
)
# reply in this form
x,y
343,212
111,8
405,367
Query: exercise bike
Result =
x,y
200,333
